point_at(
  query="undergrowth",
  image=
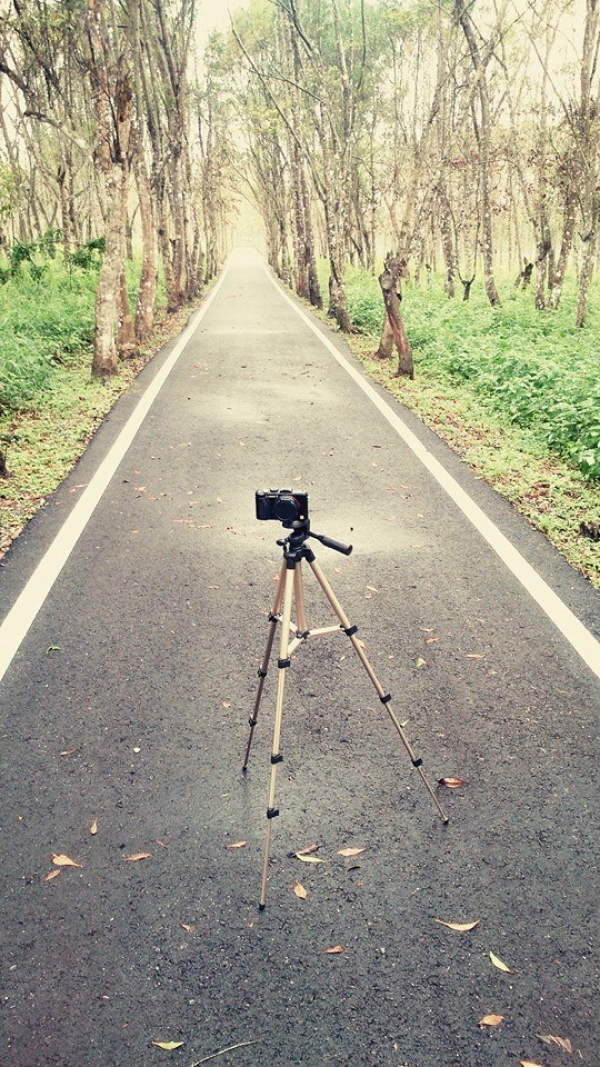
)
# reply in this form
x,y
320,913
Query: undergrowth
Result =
x,y
50,405
532,369
515,391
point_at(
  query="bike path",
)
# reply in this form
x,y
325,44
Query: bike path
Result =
x,y
125,708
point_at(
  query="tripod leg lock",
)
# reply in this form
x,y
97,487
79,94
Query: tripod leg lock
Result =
x,y
350,630
276,757
282,663
386,699
274,618
252,722
262,673
417,762
272,813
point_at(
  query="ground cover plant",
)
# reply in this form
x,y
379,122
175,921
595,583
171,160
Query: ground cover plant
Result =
x,y
514,390
50,404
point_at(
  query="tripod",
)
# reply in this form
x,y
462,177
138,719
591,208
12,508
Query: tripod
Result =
x,y
290,588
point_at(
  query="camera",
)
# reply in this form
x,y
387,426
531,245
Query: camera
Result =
x,y
284,505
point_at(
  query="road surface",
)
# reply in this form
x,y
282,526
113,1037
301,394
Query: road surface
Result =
x,y
135,614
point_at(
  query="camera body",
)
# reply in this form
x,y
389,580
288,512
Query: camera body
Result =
x,y
283,505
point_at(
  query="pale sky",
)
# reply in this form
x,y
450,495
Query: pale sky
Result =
x,y
214,15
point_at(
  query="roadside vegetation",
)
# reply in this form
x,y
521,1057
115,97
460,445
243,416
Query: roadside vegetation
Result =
x,y
515,393
50,403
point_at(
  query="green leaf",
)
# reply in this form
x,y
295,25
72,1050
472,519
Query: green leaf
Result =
x,y
168,1046
308,859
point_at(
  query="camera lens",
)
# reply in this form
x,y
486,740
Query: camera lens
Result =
x,y
286,509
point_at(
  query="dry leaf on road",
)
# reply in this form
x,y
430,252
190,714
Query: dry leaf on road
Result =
x,y
168,1046
137,856
236,844
347,852
499,964
300,891
65,861
562,1042
461,927
94,827
452,783
335,951
491,1020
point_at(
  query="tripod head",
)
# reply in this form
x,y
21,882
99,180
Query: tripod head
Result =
x,y
301,531
290,508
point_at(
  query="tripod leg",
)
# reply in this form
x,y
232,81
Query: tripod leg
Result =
x,y
262,670
384,697
276,757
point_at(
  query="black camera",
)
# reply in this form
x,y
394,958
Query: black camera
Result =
x,y
284,505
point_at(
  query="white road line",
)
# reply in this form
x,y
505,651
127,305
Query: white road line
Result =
x,y
584,642
25,609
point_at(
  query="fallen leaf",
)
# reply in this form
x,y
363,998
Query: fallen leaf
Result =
x,y
307,851
65,861
308,859
529,1063
461,927
499,964
300,891
335,951
452,783
350,851
474,655
225,704
491,1020
51,875
236,844
420,662
562,1042
137,856
94,827
68,752
53,648
186,926
168,1045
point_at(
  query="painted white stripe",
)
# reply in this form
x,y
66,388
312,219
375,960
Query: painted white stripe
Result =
x,y
584,642
25,609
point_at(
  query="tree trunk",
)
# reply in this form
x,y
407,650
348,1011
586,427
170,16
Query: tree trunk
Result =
x,y
112,97
483,136
585,277
389,281
386,341
569,219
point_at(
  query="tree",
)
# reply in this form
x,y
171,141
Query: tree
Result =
x,y
480,56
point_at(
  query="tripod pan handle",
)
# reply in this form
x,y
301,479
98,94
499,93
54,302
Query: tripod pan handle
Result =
x,y
329,542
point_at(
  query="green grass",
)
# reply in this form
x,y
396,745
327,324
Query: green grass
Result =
x,y
44,323
50,405
534,370
514,391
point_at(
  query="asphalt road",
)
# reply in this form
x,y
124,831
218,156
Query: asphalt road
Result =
x,y
129,664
